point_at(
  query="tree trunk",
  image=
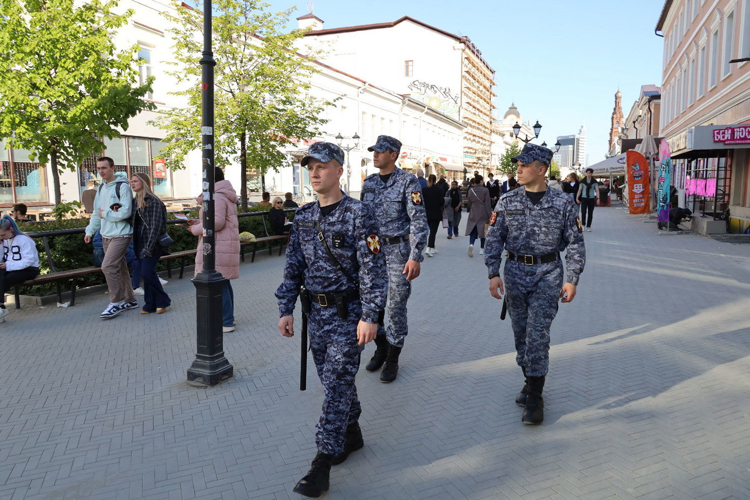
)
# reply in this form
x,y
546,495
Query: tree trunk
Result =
x,y
55,177
243,170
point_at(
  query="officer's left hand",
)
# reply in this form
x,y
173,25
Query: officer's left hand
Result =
x,y
411,270
568,292
366,332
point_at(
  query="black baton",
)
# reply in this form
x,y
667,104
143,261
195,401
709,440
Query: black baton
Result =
x,y
505,308
303,355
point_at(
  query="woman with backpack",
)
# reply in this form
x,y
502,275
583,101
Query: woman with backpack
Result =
x,y
20,259
149,224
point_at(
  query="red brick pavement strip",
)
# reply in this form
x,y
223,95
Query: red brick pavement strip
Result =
x,y
647,394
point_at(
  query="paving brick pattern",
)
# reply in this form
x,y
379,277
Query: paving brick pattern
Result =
x,y
648,394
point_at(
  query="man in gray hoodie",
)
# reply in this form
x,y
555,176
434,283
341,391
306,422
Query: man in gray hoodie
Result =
x,y
113,207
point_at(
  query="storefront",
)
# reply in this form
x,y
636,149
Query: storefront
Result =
x,y
21,180
711,166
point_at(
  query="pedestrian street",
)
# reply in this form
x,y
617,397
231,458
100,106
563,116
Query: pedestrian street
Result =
x,y
647,394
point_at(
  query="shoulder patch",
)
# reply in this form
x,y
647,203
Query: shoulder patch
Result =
x,y
416,197
580,226
493,218
373,243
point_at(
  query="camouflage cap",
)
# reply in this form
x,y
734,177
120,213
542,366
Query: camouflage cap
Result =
x,y
323,152
533,152
386,142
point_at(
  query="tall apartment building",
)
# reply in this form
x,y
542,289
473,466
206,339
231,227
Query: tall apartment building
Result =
x,y
706,107
576,155
407,56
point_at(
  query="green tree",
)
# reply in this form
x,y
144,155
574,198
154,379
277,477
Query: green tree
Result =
x,y
554,169
64,80
262,101
507,167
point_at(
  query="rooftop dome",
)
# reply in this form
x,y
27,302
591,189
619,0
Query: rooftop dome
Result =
x,y
512,111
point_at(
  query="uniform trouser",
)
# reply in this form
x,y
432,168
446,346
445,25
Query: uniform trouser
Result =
x,y
587,207
399,291
333,342
533,293
115,269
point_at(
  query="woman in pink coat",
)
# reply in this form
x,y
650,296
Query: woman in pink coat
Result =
x,y
226,242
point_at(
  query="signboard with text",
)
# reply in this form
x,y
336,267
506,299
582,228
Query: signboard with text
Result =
x,y
732,135
160,170
638,182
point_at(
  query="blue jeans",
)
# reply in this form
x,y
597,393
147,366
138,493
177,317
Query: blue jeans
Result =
x,y
227,304
473,237
154,296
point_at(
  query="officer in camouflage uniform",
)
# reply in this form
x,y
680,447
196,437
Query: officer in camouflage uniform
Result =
x,y
344,304
534,224
395,197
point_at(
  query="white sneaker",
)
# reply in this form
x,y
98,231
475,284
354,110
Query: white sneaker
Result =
x,y
3,313
481,251
588,229
434,251
139,291
227,329
111,311
163,282
471,250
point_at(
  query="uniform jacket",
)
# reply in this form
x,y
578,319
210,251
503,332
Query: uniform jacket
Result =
x,y
112,224
308,264
527,229
149,223
480,209
226,233
398,207
19,252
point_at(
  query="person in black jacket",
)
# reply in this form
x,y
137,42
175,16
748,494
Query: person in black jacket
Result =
x,y
433,205
149,223
277,218
454,210
571,186
443,184
493,186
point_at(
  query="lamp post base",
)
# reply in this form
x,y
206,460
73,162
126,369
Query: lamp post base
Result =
x,y
210,367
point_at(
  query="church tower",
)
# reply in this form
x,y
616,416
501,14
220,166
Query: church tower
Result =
x,y
617,122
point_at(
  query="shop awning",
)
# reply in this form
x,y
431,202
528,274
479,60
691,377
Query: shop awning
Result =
x,y
449,166
614,165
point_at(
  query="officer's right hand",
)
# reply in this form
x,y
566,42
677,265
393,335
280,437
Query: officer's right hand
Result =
x,y
366,332
497,289
87,239
286,326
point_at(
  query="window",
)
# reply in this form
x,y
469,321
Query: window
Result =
x,y
728,43
688,13
161,180
702,72
408,68
745,48
21,180
684,89
144,68
713,68
695,8
691,89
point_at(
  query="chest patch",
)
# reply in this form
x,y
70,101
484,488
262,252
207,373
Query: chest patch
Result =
x,y
306,223
515,212
416,197
338,240
373,243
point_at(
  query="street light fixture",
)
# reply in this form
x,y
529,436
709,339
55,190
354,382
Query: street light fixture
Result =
x,y
210,367
339,140
557,146
526,139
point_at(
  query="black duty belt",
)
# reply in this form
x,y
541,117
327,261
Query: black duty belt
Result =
x,y
329,299
394,240
530,260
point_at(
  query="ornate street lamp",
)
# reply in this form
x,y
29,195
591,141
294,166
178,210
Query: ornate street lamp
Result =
x,y
526,139
347,147
210,367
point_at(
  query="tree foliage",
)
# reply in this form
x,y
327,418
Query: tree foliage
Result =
x,y
507,167
64,80
261,99
554,169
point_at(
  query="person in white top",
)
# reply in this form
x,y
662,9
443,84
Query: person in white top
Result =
x,y
20,259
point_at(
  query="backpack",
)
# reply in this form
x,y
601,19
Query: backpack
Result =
x,y
118,185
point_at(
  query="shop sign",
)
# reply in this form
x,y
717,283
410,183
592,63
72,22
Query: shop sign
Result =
x,y
638,182
469,157
732,135
680,141
160,169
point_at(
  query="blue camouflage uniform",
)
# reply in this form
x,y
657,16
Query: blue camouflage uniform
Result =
x,y
533,291
352,236
402,225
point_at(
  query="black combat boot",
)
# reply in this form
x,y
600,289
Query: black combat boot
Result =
x,y
533,414
521,397
380,354
391,364
353,442
316,482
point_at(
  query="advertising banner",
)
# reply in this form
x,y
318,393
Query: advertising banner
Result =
x,y
664,182
638,182
160,169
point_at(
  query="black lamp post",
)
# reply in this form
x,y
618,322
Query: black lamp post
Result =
x,y
465,173
339,140
557,145
526,139
210,366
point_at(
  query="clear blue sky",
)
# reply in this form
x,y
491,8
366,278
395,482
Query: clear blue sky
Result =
x,y
560,62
